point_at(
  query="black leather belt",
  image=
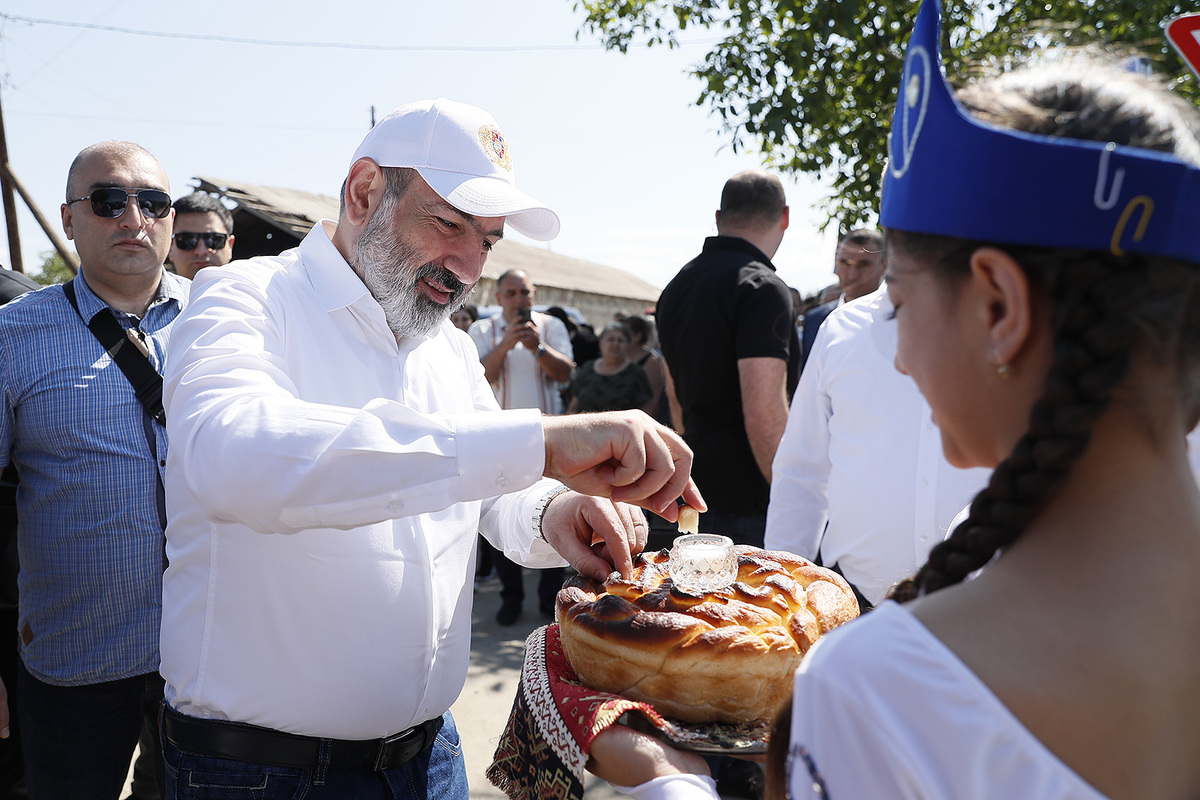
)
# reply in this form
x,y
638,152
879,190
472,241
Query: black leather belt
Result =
x,y
257,745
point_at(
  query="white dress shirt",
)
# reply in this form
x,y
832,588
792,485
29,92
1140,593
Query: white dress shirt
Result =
x,y
861,452
521,382
324,488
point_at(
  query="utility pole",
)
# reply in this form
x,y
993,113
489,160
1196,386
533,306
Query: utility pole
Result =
x,y
10,203
8,182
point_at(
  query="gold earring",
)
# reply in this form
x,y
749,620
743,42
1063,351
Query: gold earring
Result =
x,y
1004,370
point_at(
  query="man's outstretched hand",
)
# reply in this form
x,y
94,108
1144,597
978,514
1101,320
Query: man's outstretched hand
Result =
x,y
623,455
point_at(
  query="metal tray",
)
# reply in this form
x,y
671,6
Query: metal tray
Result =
x,y
709,738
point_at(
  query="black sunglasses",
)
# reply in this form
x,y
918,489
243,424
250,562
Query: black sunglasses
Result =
x,y
188,241
111,202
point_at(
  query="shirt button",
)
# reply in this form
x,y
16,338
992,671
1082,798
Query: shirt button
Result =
x,y
395,506
162,462
502,481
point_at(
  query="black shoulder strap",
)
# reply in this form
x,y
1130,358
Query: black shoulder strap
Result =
x,y
134,361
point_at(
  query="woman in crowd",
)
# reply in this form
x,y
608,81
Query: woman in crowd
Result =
x,y
643,352
463,318
1043,254
611,382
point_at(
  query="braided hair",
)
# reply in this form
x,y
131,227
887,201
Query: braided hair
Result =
x,y
1108,310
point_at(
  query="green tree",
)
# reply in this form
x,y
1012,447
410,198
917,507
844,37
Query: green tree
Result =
x,y
811,84
54,269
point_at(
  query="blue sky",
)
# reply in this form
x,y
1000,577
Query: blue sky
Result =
x,y
614,143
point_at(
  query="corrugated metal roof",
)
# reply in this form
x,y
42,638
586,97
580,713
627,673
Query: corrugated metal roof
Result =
x,y
296,212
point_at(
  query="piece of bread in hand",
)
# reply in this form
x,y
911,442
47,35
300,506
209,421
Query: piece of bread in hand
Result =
x,y
689,520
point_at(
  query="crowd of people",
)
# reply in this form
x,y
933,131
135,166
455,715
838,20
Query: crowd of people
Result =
x,y
253,496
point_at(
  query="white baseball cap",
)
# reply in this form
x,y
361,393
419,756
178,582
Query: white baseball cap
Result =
x,y
460,152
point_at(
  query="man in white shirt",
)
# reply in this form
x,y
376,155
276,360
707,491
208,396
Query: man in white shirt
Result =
x,y
335,448
858,264
860,481
525,356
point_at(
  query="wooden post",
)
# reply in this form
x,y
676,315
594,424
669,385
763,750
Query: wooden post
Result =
x,y
68,256
10,207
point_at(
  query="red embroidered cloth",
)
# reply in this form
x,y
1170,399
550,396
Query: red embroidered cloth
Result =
x,y
543,749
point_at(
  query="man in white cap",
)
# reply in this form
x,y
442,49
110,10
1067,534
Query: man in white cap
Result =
x,y
335,448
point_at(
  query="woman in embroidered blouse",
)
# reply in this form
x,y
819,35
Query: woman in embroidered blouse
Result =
x,y
1050,314
611,382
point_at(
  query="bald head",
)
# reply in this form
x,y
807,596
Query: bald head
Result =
x,y
113,148
514,291
121,241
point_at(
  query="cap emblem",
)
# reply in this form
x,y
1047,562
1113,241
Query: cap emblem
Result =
x,y
494,145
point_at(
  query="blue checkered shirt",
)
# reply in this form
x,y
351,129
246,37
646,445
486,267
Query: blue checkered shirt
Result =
x,y
90,498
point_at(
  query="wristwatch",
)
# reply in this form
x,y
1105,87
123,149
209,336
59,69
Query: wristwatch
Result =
x,y
541,350
539,511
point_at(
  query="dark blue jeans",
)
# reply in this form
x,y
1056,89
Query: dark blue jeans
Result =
x,y
439,773
78,740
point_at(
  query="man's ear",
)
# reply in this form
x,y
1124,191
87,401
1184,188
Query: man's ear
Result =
x,y
364,191
1005,304
67,220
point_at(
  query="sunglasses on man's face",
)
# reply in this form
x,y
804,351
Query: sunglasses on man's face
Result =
x,y
111,202
189,241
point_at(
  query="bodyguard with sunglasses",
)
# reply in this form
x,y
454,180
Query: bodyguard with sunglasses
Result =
x,y
91,501
203,234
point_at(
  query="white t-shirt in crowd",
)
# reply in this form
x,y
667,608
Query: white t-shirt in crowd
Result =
x,y
521,382
324,488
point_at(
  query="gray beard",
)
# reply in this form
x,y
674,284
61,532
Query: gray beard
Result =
x,y
391,270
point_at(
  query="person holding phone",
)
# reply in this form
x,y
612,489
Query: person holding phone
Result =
x,y
526,355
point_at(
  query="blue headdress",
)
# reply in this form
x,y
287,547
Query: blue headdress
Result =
x,y
953,175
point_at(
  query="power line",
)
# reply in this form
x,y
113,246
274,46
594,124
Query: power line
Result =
x,y
187,123
280,43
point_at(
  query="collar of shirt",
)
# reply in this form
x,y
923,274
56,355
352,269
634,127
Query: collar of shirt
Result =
x,y
335,281
340,287
171,287
737,243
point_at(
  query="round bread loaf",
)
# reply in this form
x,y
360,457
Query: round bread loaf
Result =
x,y
721,656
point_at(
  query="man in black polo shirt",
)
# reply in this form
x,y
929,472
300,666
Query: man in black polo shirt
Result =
x,y
729,339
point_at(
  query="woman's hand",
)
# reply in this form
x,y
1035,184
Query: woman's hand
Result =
x,y
626,757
